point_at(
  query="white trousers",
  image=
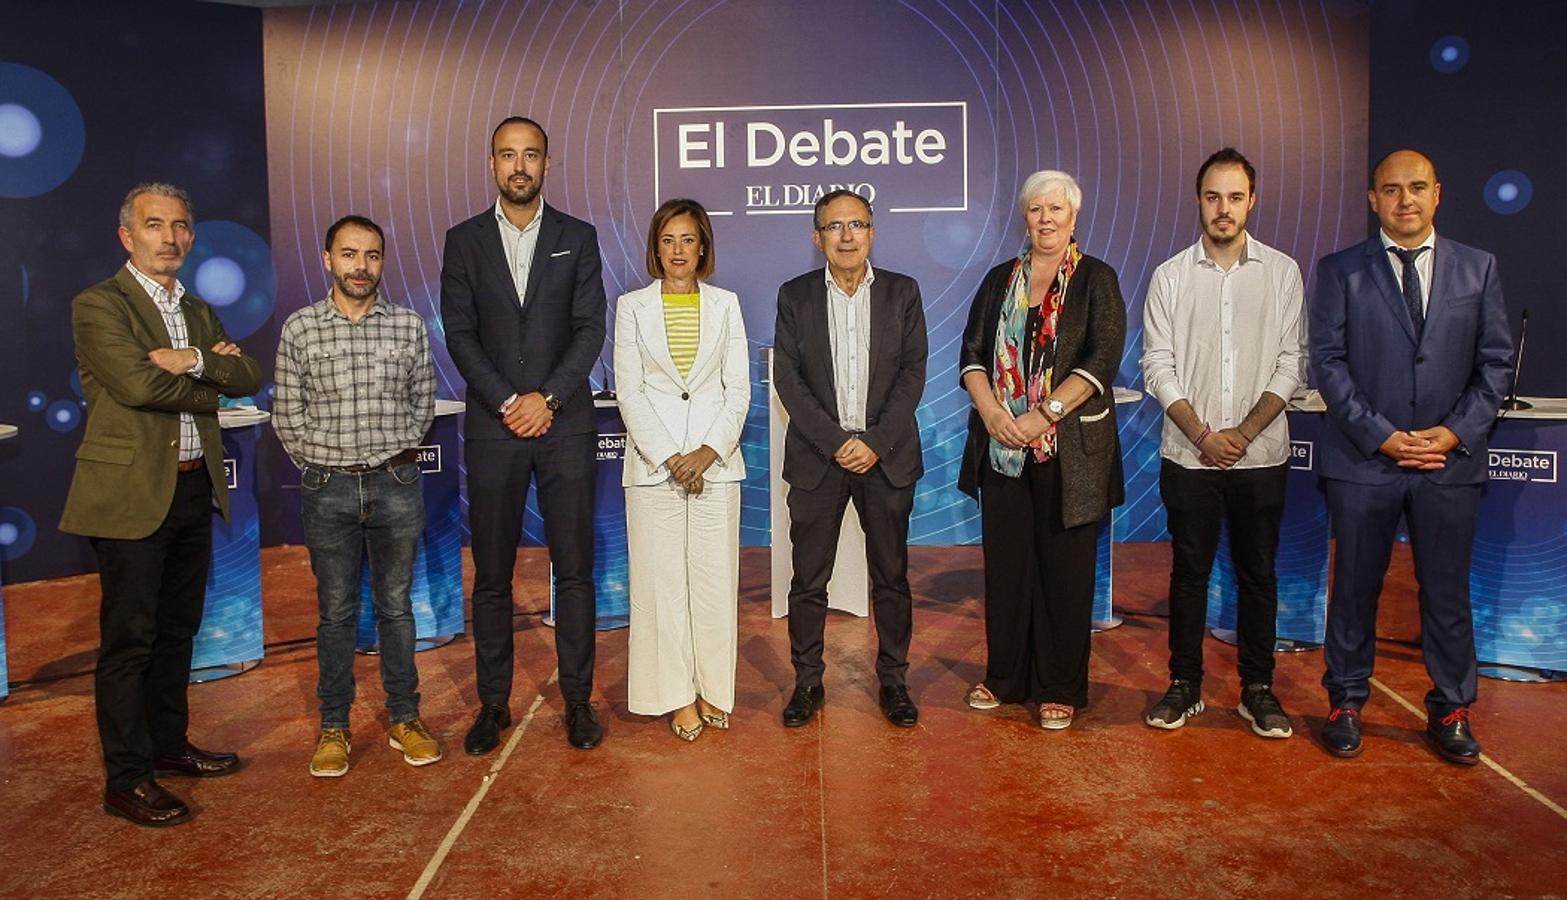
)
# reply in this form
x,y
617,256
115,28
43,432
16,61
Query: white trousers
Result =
x,y
684,559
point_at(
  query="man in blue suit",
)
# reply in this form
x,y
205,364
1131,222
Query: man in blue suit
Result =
x,y
1411,350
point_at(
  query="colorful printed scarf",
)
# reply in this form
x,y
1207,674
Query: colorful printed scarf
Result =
x,y
1012,390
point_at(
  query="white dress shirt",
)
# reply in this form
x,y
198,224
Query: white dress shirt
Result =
x,y
1423,266
168,303
519,244
1220,338
849,329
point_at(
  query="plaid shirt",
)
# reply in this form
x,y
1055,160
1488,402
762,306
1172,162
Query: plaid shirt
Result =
x,y
352,393
168,303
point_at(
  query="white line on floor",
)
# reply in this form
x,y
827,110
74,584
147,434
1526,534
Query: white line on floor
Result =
x,y
1496,767
434,865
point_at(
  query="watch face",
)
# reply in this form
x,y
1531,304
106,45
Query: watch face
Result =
x,y
1056,407
552,401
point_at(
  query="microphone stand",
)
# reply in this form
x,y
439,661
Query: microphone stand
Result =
x,y
1512,403
604,393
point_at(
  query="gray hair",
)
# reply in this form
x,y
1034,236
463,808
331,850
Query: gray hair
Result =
x,y
1046,180
162,189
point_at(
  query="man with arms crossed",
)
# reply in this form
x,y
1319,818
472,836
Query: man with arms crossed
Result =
x,y
1223,349
149,472
849,367
355,394
1411,350
522,301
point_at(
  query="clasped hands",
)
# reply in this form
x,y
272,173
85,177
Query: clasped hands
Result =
x,y
1015,432
856,456
1425,449
687,468
528,416
182,360
1222,449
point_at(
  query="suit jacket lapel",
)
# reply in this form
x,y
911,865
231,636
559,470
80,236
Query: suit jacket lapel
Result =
x,y
1444,271
708,349
495,252
881,323
1377,262
820,334
650,321
144,307
549,235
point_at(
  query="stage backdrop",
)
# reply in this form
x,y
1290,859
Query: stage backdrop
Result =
x,y
937,110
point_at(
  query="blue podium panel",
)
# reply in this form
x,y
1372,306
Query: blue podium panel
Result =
x,y
1518,582
1104,582
5,672
611,583
231,634
1302,560
436,592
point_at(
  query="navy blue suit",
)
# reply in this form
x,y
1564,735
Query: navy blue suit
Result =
x,y
502,346
1376,378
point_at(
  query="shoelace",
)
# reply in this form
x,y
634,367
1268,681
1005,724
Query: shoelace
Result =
x,y
1341,711
1458,715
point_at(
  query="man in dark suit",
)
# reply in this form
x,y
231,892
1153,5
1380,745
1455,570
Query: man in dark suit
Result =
x,y
522,302
849,367
1411,350
149,472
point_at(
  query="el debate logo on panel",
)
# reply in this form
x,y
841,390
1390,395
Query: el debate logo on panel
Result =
x,y
778,160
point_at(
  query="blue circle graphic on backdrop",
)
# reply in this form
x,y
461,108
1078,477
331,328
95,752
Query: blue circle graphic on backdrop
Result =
x,y
230,267
41,132
17,532
1508,191
64,415
37,400
1449,54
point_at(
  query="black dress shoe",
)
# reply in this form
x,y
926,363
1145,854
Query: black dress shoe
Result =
x,y
803,704
195,762
1453,738
1341,734
897,707
486,730
146,804
583,730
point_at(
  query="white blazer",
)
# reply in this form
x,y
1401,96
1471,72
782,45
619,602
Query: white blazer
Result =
x,y
666,414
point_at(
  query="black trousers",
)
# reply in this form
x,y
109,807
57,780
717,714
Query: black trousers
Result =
x,y
1251,503
154,593
1039,588
815,518
499,473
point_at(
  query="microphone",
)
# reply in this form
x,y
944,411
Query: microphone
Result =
x,y
1512,403
605,393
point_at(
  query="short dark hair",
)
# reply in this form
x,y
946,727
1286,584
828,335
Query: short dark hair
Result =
x,y
830,196
519,120
668,210
1229,156
360,221
1384,158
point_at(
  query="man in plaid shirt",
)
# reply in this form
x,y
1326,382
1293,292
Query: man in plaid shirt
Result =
x,y
355,395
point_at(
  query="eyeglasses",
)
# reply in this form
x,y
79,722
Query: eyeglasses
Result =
x,y
853,226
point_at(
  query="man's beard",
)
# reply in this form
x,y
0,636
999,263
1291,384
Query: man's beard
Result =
x,y
347,288
523,196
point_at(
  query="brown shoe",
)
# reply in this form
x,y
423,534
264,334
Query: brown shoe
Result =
x,y
146,804
331,757
195,762
419,747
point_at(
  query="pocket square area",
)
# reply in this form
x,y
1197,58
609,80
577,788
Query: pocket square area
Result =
x,y
559,253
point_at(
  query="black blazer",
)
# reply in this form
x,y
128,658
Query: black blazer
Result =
x,y
803,377
1090,336
502,347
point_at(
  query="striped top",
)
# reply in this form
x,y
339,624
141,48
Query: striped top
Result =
x,y
681,329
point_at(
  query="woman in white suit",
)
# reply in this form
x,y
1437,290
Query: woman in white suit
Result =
x,y
683,378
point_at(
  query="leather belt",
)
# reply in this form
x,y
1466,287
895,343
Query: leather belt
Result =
x,y
191,465
406,456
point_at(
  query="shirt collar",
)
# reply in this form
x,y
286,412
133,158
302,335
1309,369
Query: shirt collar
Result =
x,y
1388,243
506,225
156,291
329,309
865,283
1248,254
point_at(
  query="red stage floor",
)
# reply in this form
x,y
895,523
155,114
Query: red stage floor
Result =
x,y
967,804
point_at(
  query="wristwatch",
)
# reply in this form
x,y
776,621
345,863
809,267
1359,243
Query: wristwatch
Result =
x,y
551,402
1056,409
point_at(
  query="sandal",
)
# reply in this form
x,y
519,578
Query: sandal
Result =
x,y
719,720
685,734
1055,716
980,697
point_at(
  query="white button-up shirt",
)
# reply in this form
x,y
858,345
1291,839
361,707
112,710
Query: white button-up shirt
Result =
x,y
849,328
168,303
1219,338
519,244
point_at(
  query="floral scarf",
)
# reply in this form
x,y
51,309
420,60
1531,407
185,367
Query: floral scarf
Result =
x,y
1016,388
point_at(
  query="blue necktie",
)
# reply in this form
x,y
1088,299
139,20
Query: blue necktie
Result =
x,y
1412,286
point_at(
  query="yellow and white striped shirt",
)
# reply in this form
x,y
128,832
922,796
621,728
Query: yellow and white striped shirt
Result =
x,y
682,328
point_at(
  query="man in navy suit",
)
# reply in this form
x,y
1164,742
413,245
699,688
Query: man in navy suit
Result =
x,y
522,302
1411,350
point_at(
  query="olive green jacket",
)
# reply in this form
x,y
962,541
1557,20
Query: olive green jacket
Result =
x,y
126,465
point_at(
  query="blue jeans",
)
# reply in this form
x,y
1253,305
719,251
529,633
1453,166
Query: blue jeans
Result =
x,y
348,516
